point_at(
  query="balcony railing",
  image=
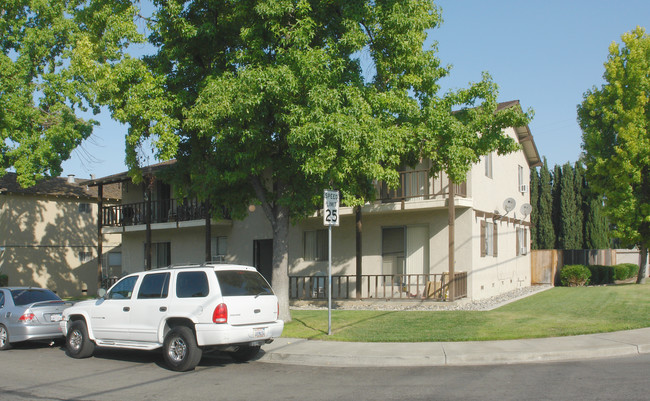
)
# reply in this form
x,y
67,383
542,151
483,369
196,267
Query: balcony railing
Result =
x,y
162,211
379,286
417,185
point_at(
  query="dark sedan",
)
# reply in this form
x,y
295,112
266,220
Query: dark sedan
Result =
x,y
28,313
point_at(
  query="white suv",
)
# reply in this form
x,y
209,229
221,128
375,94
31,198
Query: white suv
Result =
x,y
184,310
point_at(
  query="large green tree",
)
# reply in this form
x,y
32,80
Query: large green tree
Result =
x,y
45,83
546,230
272,101
615,120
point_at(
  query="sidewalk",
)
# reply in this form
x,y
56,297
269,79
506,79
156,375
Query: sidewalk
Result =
x,y
346,354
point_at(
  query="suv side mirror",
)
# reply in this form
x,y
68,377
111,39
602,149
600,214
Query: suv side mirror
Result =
x,y
101,292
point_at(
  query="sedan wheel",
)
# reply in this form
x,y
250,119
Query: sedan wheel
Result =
x,y
4,338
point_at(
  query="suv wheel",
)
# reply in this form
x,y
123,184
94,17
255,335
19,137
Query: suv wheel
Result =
x,y
180,350
245,354
4,338
77,341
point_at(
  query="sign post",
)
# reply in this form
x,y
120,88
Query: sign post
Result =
x,y
330,219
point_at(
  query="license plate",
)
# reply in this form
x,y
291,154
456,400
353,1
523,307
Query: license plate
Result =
x,y
55,317
259,333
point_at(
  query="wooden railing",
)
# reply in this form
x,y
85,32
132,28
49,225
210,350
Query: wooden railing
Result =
x,y
162,211
417,185
379,286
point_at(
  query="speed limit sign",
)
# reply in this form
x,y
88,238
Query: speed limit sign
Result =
x,y
331,208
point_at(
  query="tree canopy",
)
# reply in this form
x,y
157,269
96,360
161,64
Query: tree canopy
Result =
x,y
46,49
615,121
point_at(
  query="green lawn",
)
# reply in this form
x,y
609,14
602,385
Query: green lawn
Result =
x,y
559,311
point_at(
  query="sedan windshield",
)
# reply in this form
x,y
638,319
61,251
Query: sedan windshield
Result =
x,y
27,296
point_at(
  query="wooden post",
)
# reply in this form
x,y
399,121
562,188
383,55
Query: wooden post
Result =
x,y
208,233
452,234
359,256
148,250
100,251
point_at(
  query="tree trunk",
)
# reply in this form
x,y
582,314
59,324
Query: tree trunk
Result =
x,y
643,256
281,260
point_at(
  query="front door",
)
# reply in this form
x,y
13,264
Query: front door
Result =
x,y
111,315
263,258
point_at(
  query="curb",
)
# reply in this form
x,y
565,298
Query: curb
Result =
x,y
345,354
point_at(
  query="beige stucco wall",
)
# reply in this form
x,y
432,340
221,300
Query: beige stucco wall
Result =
x,y
42,238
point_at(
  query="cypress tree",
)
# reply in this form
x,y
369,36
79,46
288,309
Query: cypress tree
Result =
x,y
534,202
578,189
556,193
568,238
545,229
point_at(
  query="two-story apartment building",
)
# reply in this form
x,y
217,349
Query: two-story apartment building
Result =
x,y
49,234
404,242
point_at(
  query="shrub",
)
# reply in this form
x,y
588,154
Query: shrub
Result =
x,y
601,274
626,270
575,275
4,280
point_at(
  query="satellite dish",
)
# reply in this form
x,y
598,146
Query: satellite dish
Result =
x,y
526,208
509,204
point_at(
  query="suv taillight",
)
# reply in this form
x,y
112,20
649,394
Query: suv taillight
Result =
x,y
220,314
278,315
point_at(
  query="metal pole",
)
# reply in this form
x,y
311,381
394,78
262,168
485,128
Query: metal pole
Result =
x,y
329,284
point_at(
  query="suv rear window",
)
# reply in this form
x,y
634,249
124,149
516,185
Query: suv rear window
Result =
x,y
29,296
192,285
241,282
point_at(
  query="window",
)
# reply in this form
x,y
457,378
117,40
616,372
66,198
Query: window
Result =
x,y
487,161
85,208
316,245
522,241
2,299
219,248
123,289
192,285
489,238
523,184
85,257
114,259
31,295
240,283
154,286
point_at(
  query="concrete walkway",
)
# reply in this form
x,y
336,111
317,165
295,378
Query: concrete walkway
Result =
x,y
346,354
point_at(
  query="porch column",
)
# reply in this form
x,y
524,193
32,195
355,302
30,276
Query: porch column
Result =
x,y
147,247
208,233
100,251
359,258
452,222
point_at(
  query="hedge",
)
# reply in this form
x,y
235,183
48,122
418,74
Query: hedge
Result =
x,y
602,274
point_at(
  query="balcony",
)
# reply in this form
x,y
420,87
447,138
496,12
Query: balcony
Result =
x,y
162,211
417,185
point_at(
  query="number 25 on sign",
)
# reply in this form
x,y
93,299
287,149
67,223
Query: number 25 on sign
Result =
x,y
331,208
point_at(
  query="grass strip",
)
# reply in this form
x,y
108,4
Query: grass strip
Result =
x,y
557,312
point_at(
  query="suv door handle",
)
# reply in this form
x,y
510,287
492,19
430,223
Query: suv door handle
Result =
x,y
163,309
126,309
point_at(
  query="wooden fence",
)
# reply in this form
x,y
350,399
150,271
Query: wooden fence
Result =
x,y
547,263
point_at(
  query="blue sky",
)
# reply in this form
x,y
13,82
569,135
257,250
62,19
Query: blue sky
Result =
x,y
545,54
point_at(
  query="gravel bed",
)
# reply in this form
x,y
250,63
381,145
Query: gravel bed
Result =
x,y
422,305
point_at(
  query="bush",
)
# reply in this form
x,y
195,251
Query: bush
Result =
x,y
602,274
625,271
575,275
4,280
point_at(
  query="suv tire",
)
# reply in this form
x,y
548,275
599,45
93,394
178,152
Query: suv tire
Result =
x,y
4,338
245,353
180,350
77,342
